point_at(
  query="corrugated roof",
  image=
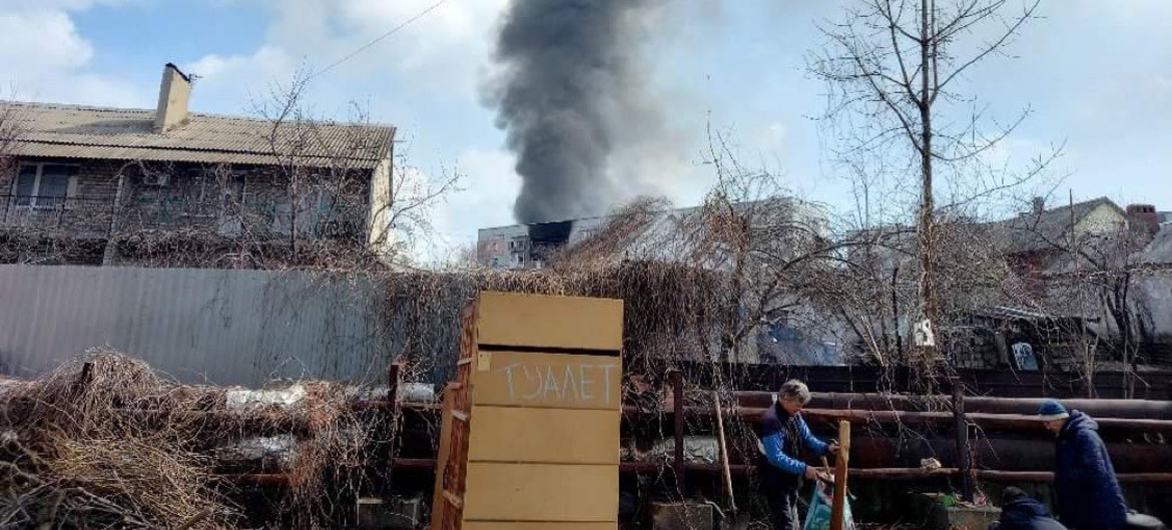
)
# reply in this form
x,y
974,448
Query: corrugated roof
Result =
x,y
72,131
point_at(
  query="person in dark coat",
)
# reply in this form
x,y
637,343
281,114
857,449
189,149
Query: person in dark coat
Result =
x,y
785,442
1022,512
1087,491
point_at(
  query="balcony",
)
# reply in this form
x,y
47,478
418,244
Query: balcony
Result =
x,y
78,217
96,218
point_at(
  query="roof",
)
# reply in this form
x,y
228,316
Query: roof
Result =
x,y
1039,231
1159,250
1005,312
73,131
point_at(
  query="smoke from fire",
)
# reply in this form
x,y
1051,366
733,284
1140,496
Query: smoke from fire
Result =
x,y
570,94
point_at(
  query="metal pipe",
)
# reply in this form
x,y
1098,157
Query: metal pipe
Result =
x,y
905,473
1107,408
1011,422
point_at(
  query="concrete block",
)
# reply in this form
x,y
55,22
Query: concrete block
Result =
x,y
932,512
394,514
681,516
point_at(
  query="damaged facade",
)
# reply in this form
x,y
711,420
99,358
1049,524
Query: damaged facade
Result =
x,y
90,185
658,234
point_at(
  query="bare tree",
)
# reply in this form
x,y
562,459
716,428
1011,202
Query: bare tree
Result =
x,y
11,129
326,184
895,70
1095,273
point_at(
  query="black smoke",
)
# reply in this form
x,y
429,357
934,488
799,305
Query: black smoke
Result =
x,y
570,84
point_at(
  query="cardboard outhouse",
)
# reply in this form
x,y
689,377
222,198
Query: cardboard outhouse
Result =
x,y
530,433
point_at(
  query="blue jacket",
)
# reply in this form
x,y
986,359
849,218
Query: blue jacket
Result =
x,y
786,440
1026,514
1088,494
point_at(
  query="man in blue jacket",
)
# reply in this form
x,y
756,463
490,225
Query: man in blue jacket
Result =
x,y
1021,512
1088,496
785,442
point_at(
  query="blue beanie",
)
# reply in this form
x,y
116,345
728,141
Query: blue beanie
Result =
x,y
1052,410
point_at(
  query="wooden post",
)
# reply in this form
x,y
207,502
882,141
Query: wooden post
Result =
x,y
728,485
677,387
392,412
394,377
838,509
963,452
438,500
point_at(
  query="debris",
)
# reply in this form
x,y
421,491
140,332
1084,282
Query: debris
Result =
x,y
242,399
697,449
267,453
681,515
930,464
408,393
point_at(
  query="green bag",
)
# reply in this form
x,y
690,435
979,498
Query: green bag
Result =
x,y
818,517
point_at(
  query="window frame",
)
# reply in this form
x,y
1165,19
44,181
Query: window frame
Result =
x,y
34,194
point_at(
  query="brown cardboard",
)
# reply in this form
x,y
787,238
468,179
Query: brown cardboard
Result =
x,y
547,380
518,434
511,319
541,492
544,525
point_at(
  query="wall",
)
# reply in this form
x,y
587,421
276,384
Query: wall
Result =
x,y
1105,218
1154,289
380,237
219,326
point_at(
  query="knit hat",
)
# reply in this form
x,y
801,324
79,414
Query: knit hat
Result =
x,y
1052,410
1012,494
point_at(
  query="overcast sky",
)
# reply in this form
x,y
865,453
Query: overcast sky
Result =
x,y
1097,75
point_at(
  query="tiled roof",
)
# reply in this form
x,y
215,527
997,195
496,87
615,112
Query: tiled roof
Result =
x,y
1030,232
70,131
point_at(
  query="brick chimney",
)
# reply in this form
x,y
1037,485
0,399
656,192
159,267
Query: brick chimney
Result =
x,y
1143,216
1039,205
174,92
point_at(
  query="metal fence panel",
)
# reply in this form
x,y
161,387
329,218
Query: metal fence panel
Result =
x,y
230,327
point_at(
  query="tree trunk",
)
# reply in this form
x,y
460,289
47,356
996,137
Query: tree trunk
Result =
x,y
927,203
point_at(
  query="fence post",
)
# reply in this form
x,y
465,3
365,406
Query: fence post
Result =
x,y
963,453
677,385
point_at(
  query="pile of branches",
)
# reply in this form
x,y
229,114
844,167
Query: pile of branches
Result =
x,y
104,442
669,313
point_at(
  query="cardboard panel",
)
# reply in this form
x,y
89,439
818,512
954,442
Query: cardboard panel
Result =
x,y
544,525
511,319
547,380
515,434
541,492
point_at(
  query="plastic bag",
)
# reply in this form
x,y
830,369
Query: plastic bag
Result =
x,y
818,517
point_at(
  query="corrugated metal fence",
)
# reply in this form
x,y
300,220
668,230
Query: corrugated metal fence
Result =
x,y
229,327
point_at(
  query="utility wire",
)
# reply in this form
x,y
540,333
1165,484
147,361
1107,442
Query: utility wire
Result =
x,y
378,39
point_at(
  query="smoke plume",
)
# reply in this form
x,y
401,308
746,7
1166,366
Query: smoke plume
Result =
x,y
570,91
